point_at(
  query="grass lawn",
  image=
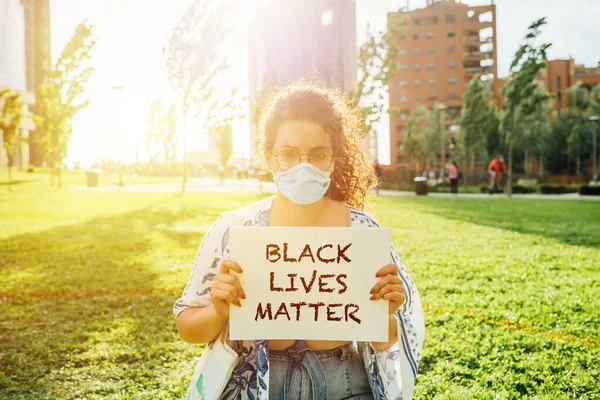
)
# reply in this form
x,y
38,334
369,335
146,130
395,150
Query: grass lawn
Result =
x,y
87,281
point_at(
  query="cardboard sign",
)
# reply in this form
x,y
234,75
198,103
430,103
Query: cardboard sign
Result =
x,y
309,283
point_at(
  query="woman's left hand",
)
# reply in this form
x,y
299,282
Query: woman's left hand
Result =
x,y
389,287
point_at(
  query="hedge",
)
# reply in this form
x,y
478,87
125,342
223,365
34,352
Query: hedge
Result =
x,y
557,189
586,190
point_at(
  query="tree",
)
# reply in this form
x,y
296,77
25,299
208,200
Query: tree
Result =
x,y
153,131
161,133
578,99
475,122
62,96
219,118
194,61
520,94
413,142
537,127
493,143
11,118
376,66
432,135
224,139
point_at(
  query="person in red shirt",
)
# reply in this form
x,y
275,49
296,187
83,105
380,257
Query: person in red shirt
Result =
x,y
497,169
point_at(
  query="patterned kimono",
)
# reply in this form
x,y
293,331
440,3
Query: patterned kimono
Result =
x,y
392,372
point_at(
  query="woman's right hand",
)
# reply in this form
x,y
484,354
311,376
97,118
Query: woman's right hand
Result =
x,y
226,289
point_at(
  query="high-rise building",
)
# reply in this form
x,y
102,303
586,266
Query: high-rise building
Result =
x,y
38,58
293,39
441,47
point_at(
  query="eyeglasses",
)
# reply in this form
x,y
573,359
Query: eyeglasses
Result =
x,y
287,159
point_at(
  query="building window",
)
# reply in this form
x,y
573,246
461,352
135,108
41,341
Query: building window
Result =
x,y
431,81
452,95
558,83
404,114
416,52
415,36
431,66
451,34
399,129
418,97
417,82
431,96
403,68
430,51
416,66
327,17
403,83
559,101
402,37
451,50
452,65
430,35
451,80
450,18
403,99
402,52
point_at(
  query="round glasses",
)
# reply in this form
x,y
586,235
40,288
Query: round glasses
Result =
x,y
287,159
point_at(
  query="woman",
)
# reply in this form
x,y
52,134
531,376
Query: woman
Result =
x,y
453,174
312,145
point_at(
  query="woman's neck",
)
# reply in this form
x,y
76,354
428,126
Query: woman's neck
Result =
x,y
285,212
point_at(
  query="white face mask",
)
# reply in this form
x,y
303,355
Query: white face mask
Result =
x,y
303,184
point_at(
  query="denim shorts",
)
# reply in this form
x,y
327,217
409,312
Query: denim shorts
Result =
x,y
298,373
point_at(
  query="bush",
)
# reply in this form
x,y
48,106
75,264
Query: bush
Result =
x,y
520,189
587,190
557,189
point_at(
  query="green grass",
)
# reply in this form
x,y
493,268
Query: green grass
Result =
x,y
87,281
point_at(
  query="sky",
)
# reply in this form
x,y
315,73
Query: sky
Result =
x,y
132,33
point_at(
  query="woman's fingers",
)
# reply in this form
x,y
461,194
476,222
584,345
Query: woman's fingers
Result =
x,y
387,279
231,280
229,265
390,288
387,270
224,292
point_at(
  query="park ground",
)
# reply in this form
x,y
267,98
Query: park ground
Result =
x,y
88,278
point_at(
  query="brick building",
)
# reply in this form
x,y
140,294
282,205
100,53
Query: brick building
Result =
x,y
442,47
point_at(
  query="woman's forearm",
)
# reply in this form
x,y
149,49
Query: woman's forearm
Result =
x,y
200,324
392,335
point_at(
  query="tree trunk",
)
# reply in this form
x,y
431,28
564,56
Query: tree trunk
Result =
x,y
527,164
510,169
184,181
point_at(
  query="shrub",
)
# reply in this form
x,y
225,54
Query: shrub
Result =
x,y
520,189
587,190
557,189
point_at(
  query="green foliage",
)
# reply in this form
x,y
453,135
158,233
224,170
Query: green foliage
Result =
x,y
521,93
11,118
224,138
478,122
194,60
413,143
61,96
376,66
509,290
161,133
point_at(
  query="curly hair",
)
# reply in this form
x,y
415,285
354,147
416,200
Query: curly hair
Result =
x,y
353,173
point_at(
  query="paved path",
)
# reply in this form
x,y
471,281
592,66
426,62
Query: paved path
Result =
x,y
254,186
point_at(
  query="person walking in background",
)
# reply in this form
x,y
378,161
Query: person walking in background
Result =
x,y
453,174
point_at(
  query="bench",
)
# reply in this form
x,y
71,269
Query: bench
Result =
x,y
527,182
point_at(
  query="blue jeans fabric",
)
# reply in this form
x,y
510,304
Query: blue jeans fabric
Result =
x,y
298,373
